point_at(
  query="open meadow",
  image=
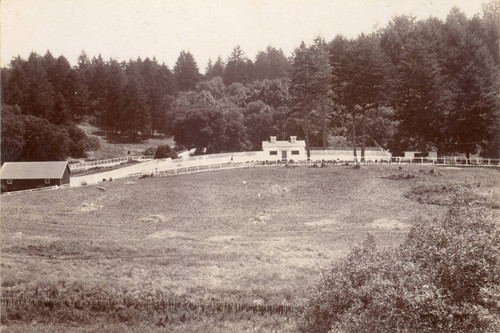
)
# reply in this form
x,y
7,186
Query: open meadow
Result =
x,y
252,236
111,149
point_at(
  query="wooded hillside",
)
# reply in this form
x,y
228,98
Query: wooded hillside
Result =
x,y
417,85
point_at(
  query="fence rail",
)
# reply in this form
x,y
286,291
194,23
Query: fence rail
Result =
x,y
111,161
461,161
160,305
193,169
38,189
381,159
169,169
395,160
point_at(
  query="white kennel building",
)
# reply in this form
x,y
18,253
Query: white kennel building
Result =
x,y
284,151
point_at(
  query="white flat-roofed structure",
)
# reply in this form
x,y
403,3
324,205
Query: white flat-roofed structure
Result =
x,y
285,151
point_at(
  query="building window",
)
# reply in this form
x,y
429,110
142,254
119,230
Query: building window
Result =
x,y
9,181
47,181
295,152
273,152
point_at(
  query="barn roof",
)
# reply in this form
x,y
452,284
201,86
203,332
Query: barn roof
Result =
x,y
33,170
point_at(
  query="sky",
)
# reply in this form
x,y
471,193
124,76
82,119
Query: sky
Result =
x,y
127,29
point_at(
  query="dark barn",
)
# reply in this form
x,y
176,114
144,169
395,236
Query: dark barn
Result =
x,y
16,176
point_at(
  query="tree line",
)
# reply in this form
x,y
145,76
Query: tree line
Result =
x,y
419,85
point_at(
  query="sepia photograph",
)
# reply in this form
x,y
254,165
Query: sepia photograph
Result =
x,y
291,166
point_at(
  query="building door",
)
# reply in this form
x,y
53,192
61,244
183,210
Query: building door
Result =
x,y
283,155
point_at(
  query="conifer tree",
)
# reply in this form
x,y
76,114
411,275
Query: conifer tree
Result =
x,y
311,90
186,71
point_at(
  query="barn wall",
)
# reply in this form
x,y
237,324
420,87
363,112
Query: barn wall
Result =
x,y
25,184
65,177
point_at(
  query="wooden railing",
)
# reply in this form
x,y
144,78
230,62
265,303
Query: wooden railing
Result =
x,y
160,305
108,162
47,188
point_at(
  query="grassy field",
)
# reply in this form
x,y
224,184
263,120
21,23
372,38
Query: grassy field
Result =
x,y
109,149
256,236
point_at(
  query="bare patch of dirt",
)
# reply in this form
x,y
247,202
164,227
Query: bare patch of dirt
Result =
x,y
261,219
388,223
223,238
89,207
321,223
166,234
153,218
400,176
278,189
46,238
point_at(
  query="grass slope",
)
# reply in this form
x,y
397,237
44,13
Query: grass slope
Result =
x,y
111,150
254,235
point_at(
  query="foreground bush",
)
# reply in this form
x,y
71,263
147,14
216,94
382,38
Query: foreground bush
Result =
x,y
164,151
444,278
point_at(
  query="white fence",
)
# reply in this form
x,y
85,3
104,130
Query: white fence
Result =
x,y
108,162
443,161
196,169
48,188
205,163
347,155
460,161
212,162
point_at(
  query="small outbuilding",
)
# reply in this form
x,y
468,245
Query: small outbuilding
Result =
x,y
284,151
17,176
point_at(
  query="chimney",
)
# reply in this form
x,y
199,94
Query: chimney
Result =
x,y
293,138
273,139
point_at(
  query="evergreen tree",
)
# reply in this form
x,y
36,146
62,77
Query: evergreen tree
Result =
x,y
14,88
215,69
186,71
271,64
12,134
136,113
358,83
39,97
97,86
472,84
311,91
238,68
114,115
157,85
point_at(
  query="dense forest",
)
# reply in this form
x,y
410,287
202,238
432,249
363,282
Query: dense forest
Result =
x,y
417,85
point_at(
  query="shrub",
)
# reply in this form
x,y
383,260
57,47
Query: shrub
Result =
x,y
164,151
149,151
444,278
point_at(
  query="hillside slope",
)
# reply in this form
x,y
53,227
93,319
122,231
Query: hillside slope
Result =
x,y
252,235
109,149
